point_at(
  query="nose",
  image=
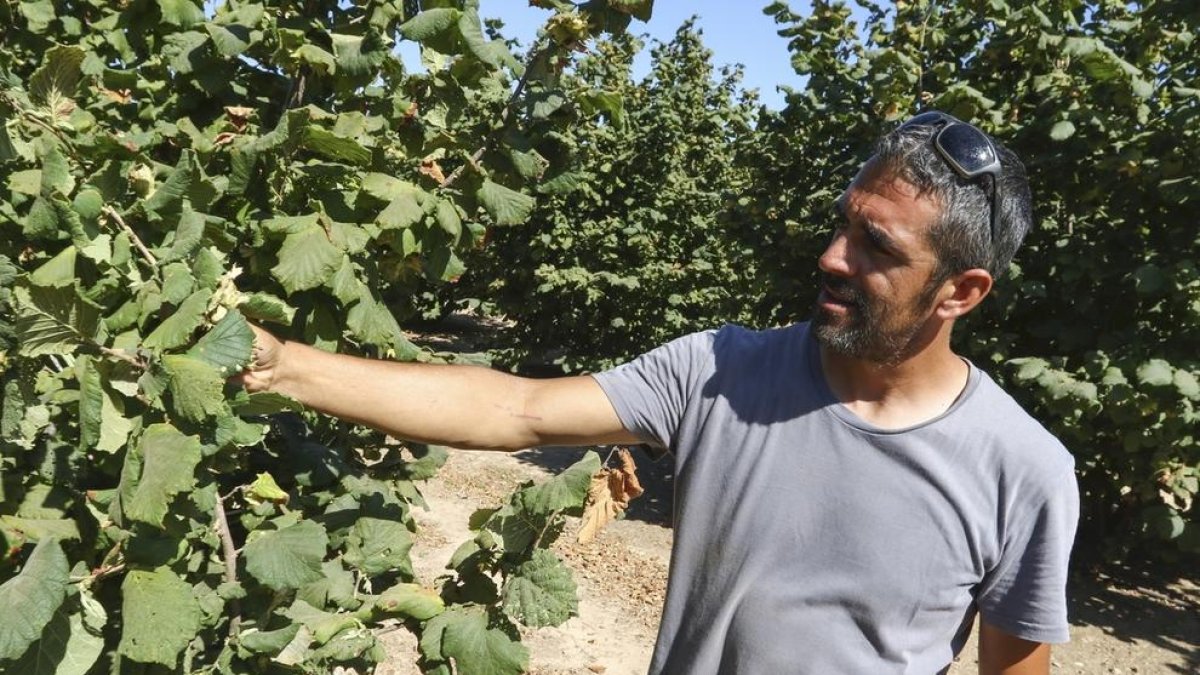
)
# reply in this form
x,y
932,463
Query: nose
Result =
x,y
836,258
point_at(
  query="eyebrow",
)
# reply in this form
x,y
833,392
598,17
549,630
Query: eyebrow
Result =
x,y
880,237
876,234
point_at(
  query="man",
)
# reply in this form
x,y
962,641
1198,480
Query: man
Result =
x,y
850,493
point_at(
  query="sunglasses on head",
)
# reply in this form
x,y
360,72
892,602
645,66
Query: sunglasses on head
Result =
x,y
965,149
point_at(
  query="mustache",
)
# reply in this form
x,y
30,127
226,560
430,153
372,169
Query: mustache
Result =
x,y
843,289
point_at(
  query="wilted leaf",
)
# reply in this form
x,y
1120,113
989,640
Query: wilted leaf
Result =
x,y
265,489
411,600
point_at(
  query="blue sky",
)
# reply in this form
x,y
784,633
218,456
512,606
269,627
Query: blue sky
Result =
x,y
736,30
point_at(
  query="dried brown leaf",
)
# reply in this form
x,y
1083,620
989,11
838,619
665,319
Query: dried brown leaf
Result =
x,y
609,495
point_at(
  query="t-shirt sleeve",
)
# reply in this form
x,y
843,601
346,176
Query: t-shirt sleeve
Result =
x,y
1025,594
651,392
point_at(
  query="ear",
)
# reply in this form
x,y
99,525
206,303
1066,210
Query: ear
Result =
x,y
962,292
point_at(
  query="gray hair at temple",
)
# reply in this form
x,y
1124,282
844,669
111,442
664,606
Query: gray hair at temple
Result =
x,y
961,238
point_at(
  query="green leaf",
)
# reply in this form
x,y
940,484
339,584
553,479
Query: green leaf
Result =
x,y
542,592
160,615
56,173
168,467
181,13
430,23
410,600
1156,372
477,44
385,188
66,647
1187,384
265,489
289,557
375,546
189,233
566,491
53,320
228,43
196,387
448,219
37,529
505,206
57,272
167,200
31,598
463,634
178,282
319,59
268,641
359,56
1062,130
327,144
267,307
372,322
405,210
91,401
49,217
227,346
176,330
307,259
58,77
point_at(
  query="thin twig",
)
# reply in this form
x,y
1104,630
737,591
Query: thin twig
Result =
x,y
505,120
146,254
230,556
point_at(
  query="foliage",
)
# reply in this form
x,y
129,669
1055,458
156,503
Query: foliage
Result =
x,y
630,252
1095,327
169,174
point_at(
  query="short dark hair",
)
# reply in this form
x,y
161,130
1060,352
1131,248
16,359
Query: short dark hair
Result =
x,y
961,238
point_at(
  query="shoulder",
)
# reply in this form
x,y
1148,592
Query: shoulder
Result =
x,y
734,340
1026,452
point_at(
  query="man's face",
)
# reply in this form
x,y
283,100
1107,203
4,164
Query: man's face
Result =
x,y
876,295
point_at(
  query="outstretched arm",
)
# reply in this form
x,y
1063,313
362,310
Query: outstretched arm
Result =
x,y
461,406
1003,654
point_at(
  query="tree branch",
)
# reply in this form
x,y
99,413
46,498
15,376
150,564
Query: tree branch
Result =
x,y
230,558
146,254
505,120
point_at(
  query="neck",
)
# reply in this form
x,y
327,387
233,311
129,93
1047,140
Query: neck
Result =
x,y
917,388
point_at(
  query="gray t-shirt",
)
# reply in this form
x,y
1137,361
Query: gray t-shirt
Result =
x,y
809,541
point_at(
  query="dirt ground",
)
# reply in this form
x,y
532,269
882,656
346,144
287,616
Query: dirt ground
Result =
x,y
1132,622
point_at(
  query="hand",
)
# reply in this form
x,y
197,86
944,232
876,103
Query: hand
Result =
x,y
262,371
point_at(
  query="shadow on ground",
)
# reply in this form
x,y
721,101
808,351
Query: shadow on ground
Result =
x,y
1157,604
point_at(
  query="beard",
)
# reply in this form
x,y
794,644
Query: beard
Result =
x,y
871,329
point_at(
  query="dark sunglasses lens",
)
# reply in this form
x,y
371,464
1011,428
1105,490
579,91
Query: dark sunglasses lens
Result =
x,y
926,119
967,146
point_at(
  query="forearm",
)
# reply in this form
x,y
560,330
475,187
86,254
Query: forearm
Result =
x,y
1004,654
462,406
